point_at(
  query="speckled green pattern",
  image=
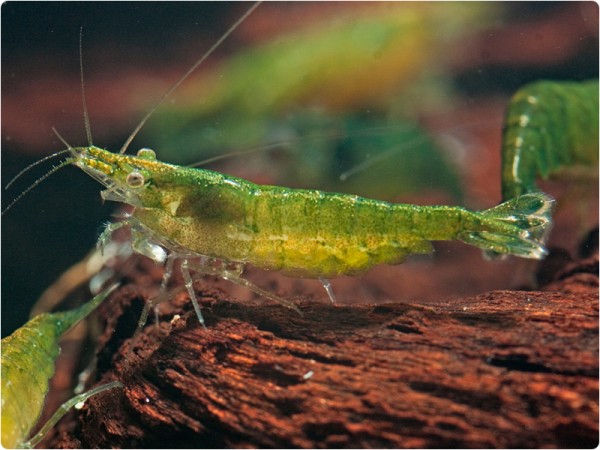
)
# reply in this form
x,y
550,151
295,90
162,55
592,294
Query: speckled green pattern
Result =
x,y
306,233
27,364
312,233
550,127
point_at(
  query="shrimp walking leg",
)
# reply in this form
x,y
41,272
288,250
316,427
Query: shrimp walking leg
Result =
x,y
328,288
165,279
235,277
190,288
106,235
64,408
233,273
168,272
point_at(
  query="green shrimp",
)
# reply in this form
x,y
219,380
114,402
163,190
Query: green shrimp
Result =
x,y
217,224
550,128
27,364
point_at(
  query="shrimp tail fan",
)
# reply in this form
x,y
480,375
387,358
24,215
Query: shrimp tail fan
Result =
x,y
519,227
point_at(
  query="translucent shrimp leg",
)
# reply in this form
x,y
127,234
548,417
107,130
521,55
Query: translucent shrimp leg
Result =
x,y
209,266
190,288
64,408
328,288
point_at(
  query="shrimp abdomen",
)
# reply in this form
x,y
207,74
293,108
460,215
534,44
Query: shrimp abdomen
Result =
x,y
318,234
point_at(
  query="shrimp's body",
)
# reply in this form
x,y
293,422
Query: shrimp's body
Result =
x,y
191,213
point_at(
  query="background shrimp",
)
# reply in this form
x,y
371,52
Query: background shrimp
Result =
x,y
550,136
27,364
551,130
480,71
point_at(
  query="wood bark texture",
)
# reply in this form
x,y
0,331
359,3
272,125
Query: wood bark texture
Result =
x,y
503,369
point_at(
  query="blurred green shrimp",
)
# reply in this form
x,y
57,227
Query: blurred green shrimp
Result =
x,y
27,364
217,224
550,128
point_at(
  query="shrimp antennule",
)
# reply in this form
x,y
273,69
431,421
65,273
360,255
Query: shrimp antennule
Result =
x,y
32,165
54,169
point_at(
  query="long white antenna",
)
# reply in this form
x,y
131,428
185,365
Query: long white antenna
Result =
x,y
187,74
66,162
30,166
86,118
38,181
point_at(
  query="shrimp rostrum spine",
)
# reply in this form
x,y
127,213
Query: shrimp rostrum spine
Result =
x,y
193,213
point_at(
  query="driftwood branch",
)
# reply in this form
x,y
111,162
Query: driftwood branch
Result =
x,y
503,369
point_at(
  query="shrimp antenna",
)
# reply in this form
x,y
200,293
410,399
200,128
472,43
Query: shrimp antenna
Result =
x,y
187,74
86,117
63,140
320,137
381,156
46,175
30,166
243,152
38,181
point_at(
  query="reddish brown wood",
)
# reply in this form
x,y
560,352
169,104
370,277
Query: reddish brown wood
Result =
x,y
503,369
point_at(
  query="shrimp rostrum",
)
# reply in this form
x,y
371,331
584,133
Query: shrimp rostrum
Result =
x,y
216,224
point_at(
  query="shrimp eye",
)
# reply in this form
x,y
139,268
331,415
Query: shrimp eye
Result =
x,y
135,180
146,153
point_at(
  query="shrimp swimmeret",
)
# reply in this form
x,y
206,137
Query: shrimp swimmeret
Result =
x,y
217,224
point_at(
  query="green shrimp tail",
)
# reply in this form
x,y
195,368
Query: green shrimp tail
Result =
x,y
517,227
27,363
